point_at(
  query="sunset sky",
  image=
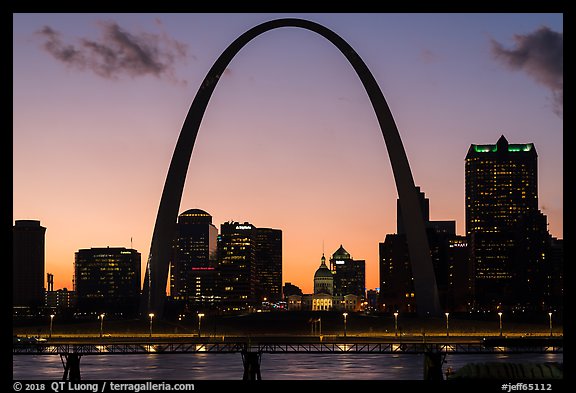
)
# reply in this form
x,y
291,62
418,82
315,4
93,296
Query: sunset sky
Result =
x,y
289,139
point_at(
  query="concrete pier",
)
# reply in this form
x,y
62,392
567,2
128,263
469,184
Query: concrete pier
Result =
x,y
71,363
251,361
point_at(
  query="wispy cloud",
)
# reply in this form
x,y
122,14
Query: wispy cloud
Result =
x,y
540,54
427,56
118,52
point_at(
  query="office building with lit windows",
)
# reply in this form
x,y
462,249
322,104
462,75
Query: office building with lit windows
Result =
x,y
107,280
502,217
193,266
237,266
249,266
349,274
57,301
501,185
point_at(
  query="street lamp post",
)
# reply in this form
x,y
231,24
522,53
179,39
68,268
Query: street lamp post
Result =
x,y
101,324
345,315
500,316
200,323
550,317
151,315
51,319
447,325
396,323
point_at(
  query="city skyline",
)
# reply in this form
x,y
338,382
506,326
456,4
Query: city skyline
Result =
x,y
103,161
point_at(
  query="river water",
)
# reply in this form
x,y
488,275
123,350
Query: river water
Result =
x,y
220,366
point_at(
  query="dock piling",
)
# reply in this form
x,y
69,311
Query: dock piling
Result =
x,y
251,361
71,362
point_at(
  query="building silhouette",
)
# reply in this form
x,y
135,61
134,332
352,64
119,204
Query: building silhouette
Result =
x,y
508,235
372,299
193,268
532,263
28,259
107,280
459,280
268,264
556,284
396,288
450,259
290,289
349,274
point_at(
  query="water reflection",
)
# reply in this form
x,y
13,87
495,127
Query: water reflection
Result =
x,y
201,366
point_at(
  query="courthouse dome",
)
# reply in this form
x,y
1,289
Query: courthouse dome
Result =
x,y
323,270
323,279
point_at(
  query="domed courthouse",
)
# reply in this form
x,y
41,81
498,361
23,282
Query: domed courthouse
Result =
x,y
340,287
323,279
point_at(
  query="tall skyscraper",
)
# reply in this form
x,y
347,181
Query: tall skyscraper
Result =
x,y
501,185
268,264
237,266
249,265
501,199
107,280
193,267
28,244
349,274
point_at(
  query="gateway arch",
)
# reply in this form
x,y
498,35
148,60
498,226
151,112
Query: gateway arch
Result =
x,y
154,291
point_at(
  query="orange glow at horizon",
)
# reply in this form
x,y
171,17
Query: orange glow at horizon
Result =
x,y
289,140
